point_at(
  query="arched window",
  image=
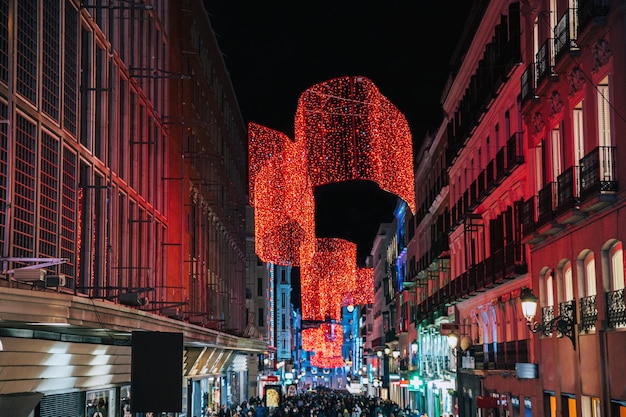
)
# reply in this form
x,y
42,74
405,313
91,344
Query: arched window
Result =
x,y
590,274
568,284
549,279
616,257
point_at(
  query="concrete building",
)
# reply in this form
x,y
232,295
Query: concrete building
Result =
x,y
123,190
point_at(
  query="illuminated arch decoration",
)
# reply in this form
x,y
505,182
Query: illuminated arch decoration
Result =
x,y
326,342
345,129
281,196
321,360
353,132
362,291
326,279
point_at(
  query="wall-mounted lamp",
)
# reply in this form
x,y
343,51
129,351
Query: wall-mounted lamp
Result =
x,y
561,323
457,343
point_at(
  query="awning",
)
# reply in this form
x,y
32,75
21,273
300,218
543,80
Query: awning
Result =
x,y
20,404
486,402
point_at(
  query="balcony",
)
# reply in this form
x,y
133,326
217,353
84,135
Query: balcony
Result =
x,y
545,204
528,216
490,172
588,314
544,62
598,181
547,315
616,309
500,356
568,210
528,83
514,152
566,34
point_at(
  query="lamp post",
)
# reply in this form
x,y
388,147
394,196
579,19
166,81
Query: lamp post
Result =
x,y
561,323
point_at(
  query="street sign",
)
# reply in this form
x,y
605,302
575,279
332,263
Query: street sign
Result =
x,y
447,328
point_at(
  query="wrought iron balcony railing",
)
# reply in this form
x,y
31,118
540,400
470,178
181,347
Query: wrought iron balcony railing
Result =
x,y
616,309
545,203
567,190
566,33
544,62
588,314
597,172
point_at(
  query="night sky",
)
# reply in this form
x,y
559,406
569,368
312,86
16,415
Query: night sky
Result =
x,y
276,50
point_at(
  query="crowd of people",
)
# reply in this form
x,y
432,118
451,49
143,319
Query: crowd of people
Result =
x,y
319,403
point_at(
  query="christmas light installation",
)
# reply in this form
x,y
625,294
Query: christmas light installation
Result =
x,y
281,196
345,129
326,342
362,292
326,278
353,132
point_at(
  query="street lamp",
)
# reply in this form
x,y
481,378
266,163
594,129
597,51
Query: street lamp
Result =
x,y
414,347
563,324
458,343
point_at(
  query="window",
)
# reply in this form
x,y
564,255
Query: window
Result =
x,y
579,132
540,172
27,41
555,152
549,289
604,113
568,282
51,60
568,405
70,79
261,318
590,275
259,287
617,266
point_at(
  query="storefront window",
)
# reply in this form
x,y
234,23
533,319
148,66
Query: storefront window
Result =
x,y
528,407
125,401
97,403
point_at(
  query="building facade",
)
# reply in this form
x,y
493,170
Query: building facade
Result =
x,y
123,189
530,199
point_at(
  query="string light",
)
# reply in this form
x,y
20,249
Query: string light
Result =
x,y
327,278
353,132
282,198
345,129
326,342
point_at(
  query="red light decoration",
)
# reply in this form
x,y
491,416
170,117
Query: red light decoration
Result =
x,y
326,278
362,291
353,132
281,196
345,129
322,361
326,341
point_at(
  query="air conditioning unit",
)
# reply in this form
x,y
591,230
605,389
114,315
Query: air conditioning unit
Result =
x,y
29,274
54,281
